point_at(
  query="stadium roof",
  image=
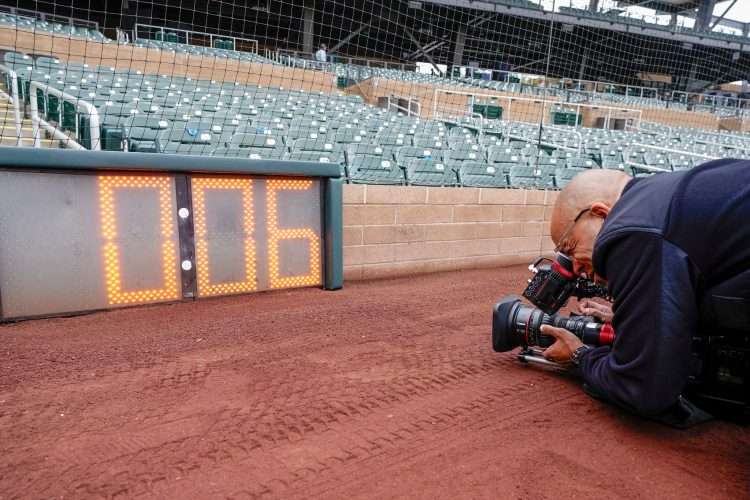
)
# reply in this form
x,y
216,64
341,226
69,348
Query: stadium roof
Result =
x,y
664,5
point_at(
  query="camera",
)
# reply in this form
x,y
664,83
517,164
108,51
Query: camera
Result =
x,y
720,379
554,282
515,324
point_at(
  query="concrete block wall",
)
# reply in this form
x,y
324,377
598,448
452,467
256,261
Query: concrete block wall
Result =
x,y
401,230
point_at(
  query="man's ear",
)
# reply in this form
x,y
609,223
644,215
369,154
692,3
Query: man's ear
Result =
x,y
600,209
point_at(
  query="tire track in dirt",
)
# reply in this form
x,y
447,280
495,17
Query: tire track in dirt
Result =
x,y
307,394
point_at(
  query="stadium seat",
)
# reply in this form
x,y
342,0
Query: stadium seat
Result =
x,y
393,140
420,172
251,153
318,156
532,177
578,162
474,174
405,153
143,139
375,170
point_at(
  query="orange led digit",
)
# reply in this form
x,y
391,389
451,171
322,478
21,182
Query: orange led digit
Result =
x,y
277,234
115,294
205,287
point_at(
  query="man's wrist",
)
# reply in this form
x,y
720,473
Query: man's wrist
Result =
x,y
575,359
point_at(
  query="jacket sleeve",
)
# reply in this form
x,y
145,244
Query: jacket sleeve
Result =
x,y
655,316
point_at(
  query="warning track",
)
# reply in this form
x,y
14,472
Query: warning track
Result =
x,y
386,389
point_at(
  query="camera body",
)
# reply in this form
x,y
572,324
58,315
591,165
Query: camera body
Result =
x,y
554,282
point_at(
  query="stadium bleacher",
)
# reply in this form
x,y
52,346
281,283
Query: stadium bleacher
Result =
x,y
8,20
177,115
173,114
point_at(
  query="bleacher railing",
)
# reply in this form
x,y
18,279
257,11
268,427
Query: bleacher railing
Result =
x,y
12,79
195,38
294,58
439,108
413,107
88,110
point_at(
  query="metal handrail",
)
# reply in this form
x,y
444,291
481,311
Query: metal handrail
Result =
x,y
88,108
404,110
13,98
570,131
675,151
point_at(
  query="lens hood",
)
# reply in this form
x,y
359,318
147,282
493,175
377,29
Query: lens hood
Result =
x,y
504,336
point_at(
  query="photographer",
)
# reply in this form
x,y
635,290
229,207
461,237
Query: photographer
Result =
x,y
660,243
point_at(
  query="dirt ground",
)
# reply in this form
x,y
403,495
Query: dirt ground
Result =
x,y
386,389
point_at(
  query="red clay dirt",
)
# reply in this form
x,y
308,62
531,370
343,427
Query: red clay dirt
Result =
x,y
386,389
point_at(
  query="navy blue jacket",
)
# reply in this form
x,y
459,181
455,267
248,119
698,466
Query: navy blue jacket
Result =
x,y
668,238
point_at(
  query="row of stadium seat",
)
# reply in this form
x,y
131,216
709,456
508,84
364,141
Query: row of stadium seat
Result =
x,y
353,73
168,114
9,20
221,53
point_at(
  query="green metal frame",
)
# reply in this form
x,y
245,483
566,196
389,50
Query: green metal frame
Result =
x,y
35,159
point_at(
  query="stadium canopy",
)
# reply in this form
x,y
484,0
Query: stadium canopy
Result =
x,y
689,8
668,6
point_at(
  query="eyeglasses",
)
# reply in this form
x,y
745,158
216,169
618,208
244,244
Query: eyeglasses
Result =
x,y
562,247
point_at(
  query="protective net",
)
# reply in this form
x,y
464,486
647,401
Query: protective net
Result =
x,y
503,93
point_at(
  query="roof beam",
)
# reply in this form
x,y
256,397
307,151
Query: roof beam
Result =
x,y
718,20
474,23
349,37
419,46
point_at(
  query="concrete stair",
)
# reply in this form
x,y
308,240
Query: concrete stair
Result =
x,y
8,133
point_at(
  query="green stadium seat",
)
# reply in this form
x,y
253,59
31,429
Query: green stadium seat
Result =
x,y
544,160
317,144
143,139
377,151
405,153
421,172
473,174
318,156
532,177
658,160
313,133
245,140
505,155
251,153
472,153
393,140
374,170
349,136
578,162
187,135
430,141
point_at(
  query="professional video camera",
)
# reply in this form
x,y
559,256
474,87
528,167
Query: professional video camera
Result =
x,y
721,352
553,283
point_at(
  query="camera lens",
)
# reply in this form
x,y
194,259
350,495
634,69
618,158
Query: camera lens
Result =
x,y
504,335
514,324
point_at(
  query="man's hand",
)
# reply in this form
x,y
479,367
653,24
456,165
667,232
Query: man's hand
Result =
x,y
595,309
565,344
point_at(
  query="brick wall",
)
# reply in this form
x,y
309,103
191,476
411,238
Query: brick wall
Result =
x,y
395,230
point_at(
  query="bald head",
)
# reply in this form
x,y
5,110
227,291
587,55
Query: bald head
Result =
x,y
585,189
